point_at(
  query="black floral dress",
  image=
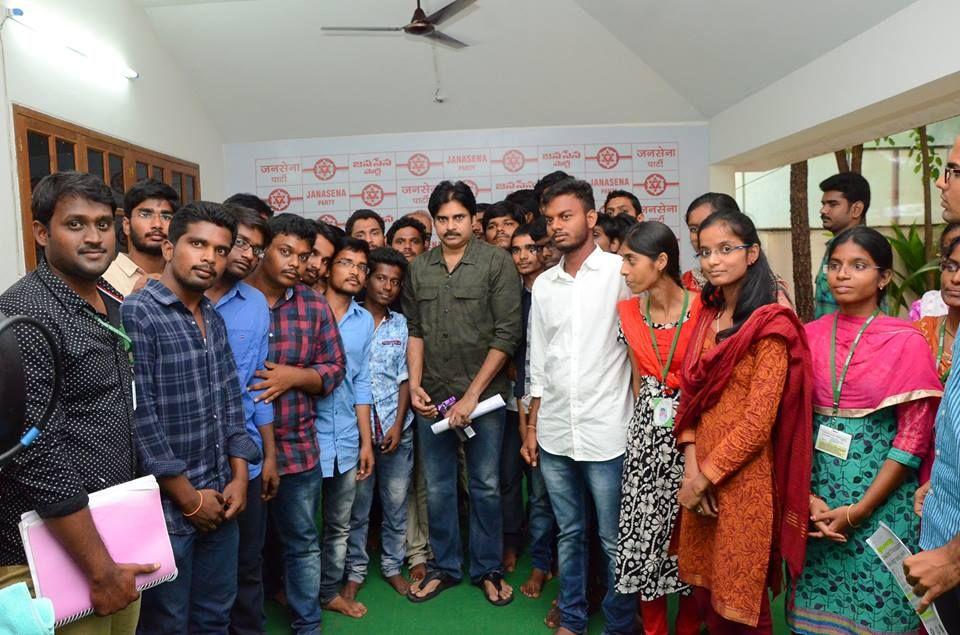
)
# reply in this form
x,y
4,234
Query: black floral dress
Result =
x,y
652,473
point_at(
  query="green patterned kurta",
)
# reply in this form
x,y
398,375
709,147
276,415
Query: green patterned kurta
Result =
x,y
844,588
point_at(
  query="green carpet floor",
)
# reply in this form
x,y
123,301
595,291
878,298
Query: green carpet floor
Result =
x,y
458,610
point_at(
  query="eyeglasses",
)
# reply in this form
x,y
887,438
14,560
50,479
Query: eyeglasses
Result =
x,y
949,172
855,267
533,249
242,244
364,269
722,251
148,214
949,266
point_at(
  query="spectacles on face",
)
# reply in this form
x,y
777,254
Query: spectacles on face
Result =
x,y
242,244
147,214
349,264
949,266
722,251
858,267
950,172
533,249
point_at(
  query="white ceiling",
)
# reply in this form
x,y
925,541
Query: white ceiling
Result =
x,y
263,69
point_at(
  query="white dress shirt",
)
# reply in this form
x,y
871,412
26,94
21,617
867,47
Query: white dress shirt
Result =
x,y
578,369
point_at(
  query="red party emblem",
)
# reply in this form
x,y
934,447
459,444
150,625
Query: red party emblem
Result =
x,y
513,160
371,194
655,184
418,164
608,158
330,219
324,169
279,200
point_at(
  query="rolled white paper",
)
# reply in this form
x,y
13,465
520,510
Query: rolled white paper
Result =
x,y
484,407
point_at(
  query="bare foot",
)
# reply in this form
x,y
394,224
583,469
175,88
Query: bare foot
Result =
x,y
349,590
552,620
399,584
534,584
418,572
506,591
510,560
350,608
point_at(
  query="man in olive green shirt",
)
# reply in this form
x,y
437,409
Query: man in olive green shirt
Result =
x,y
462,302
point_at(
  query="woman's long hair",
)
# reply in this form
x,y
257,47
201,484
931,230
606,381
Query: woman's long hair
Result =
x,y
652,238
759,285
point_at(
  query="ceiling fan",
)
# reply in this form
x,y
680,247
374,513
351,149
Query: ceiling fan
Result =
x,y
421,24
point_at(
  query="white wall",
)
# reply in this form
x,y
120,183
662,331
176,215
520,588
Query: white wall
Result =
x,y
156,111
901,73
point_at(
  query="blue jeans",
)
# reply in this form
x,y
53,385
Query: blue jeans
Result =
x,y
339,491
200,598
294,512
511,483
568,482
392,476
439,452
247,616
541,525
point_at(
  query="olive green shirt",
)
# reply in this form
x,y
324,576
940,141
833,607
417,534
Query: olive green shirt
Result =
x,y
462,314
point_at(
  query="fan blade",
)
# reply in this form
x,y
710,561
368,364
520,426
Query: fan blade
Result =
x,y
447,12
443,38
361,28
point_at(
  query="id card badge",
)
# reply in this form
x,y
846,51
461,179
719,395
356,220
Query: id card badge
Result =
x,y
833,442
663,412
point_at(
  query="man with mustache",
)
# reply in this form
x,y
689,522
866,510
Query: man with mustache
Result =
x,y
368,226
314,274
343,421
462,302
148,207
408,236
87,444
244,311
845,201
188,398
306,361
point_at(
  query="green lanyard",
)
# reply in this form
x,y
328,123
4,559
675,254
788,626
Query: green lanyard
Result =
x,y
124,338
676,336
838,385
943,331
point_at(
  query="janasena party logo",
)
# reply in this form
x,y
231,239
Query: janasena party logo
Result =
x,y
279,199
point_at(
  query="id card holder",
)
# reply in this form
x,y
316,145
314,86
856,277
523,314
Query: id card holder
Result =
x,y
663,412
833,442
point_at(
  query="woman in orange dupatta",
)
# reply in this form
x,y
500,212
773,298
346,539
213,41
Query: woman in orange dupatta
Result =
x,y
744,422
657,327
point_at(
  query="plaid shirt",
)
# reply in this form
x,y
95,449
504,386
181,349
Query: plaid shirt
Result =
x,y
189,415
303,333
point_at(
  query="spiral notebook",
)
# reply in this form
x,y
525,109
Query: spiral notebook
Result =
x,y
130,520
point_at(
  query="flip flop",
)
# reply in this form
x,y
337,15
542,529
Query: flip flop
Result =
x,y
496,579
446,581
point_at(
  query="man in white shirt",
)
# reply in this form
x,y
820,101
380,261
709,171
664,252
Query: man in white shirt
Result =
x,y
148,208
580,385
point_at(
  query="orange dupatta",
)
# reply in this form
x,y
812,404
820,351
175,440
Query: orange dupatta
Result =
x,y
637,334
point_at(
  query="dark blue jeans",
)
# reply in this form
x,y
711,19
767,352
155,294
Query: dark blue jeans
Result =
x,y
392,476
541,525
247,616
511,483
294,511
339,491
439,452
568,482
200,598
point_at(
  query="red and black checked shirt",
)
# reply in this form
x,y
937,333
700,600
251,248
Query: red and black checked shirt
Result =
x,y
303,333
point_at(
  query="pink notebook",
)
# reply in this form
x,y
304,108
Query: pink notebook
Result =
x,y
130,520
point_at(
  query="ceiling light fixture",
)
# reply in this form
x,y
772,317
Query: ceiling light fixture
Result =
x,y
107,62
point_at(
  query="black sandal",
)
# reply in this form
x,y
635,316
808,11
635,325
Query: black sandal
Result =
x,y
496,579
446,581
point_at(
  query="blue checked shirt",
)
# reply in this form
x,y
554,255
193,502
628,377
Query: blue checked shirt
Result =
x,y
337,431
941,507
189,415
388,369
247,316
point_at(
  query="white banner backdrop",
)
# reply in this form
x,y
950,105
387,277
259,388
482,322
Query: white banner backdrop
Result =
x,y
393,174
